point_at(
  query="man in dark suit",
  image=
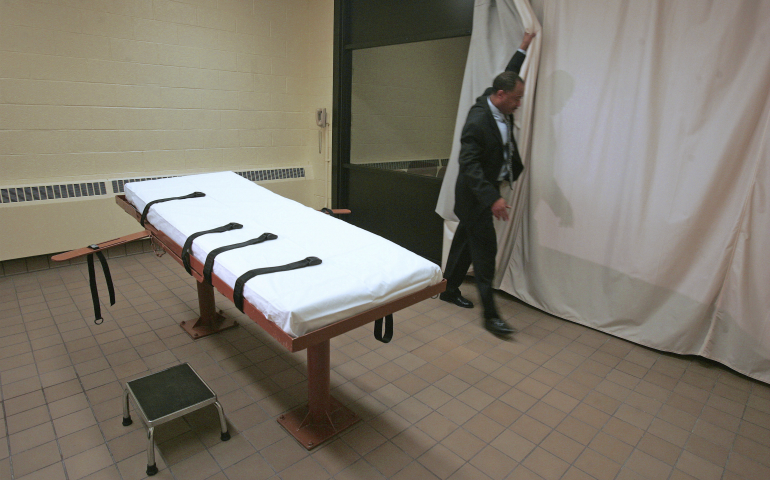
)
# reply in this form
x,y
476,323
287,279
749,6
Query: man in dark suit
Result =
x,y
488,156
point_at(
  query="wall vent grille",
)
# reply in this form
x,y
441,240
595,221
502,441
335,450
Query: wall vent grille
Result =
x,y
51,192
118,186
60,191
274,174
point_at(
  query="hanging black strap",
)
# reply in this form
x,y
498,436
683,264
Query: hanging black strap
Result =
x,y
241,282
208,267
160,200
388,329
327,211
187,248
92,281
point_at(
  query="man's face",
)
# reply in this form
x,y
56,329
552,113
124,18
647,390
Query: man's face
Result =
x,y
510,100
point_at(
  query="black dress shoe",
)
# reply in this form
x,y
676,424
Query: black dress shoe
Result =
x,y
498,327
456,298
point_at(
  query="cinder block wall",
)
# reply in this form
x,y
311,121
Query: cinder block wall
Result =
x,y
92,91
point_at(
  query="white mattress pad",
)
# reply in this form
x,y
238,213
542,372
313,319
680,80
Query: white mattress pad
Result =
x,y
360,270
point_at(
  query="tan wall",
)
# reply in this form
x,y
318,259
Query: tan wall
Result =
x,y
404,100
99,90
318,69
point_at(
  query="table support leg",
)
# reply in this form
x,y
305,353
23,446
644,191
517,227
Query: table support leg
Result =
x,y
323,416
210,321
318,381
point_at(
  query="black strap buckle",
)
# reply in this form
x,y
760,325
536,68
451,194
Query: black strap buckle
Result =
x,y
378,334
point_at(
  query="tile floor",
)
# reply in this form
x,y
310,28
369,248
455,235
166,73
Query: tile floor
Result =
x,y
444,399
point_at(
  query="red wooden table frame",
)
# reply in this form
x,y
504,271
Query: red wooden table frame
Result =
x,y
323,416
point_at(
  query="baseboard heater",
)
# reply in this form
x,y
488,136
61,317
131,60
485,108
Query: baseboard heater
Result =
x,y
23,194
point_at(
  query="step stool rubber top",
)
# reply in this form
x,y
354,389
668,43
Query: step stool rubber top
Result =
x,y
169,391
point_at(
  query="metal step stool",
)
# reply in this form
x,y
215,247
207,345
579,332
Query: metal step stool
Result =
x,y
166,395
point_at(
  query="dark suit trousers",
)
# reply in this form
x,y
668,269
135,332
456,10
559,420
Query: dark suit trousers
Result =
x,y
474,242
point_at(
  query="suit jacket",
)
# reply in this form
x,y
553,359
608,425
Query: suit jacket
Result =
x,y
482,153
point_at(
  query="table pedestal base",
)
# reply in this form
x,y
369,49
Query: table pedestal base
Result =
x,y
310,432
210,321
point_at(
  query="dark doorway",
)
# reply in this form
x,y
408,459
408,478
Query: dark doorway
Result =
x,y
397,77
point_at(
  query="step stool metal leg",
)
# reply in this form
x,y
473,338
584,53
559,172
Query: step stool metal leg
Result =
x,y
152,469
222,423
126,414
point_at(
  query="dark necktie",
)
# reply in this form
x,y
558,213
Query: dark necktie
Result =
x,y
509,145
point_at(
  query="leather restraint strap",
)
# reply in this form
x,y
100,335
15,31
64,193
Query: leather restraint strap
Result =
x,y
187,248
241,282
160,200
388,329
208,267
92,281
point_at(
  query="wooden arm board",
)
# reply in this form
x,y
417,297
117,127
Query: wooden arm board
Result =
x,y
80,252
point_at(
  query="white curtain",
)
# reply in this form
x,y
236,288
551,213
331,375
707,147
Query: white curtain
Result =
x,y
648,215
645,208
